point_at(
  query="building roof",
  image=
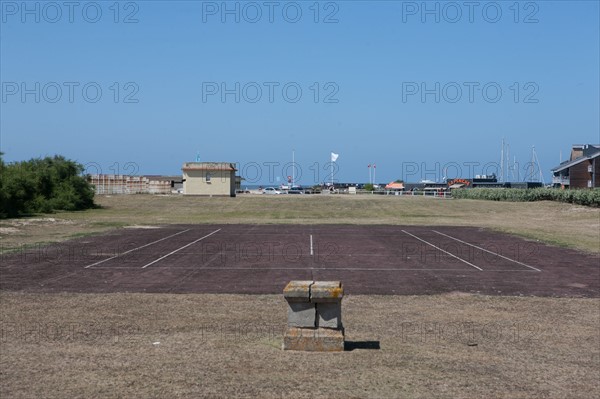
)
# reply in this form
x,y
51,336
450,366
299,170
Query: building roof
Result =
x,y
209,166
592,152
395,185
162,177
586,148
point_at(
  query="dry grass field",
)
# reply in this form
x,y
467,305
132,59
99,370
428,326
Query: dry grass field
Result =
x,y
164,345
170,346
551,222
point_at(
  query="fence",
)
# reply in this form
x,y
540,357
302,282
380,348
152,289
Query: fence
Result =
x,y
441,194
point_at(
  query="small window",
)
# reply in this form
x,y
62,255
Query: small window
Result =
x,y
208,177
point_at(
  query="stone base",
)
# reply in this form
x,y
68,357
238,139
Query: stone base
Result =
x,y
313,339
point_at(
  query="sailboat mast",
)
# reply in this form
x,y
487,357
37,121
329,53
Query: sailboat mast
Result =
x,y
502,161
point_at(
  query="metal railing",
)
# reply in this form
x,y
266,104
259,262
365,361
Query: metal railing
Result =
x,y
423,193
560,180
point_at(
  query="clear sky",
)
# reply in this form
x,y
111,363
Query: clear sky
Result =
x,y
409,86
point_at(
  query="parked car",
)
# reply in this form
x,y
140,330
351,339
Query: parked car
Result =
x,y
296,190
271,190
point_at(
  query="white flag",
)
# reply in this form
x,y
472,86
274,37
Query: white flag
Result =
x,y
334,156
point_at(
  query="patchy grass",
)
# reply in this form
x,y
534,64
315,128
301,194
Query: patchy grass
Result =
x,y
555,223
138,345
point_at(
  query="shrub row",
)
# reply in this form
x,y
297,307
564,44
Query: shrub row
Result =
x,y
43,185
581,197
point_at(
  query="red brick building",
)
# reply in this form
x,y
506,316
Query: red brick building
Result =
x,y
582,170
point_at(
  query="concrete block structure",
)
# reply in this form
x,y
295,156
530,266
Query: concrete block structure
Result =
x,y
314,316
301,314
329,315
209,178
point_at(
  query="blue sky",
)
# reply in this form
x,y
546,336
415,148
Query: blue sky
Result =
x,y
361,69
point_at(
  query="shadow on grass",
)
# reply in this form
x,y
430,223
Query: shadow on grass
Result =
x,y
25,215
352,345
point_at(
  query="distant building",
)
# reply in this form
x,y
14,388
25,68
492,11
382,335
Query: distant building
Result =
x,y
489,181
582,170
209,178
238,183
124,184
175,182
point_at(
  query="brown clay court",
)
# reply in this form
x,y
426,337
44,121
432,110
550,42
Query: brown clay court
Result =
x,y
261,259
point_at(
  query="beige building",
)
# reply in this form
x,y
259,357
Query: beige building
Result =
x,y
209,178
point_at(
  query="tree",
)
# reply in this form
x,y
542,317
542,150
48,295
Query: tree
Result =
x,y
43,185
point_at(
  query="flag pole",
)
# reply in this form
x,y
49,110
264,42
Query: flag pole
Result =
x,y
332,161
333,158
374,170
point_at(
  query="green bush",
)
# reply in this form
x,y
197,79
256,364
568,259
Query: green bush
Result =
x,y
43,185
579,197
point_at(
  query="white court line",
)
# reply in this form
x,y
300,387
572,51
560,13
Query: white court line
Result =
x,y
440,249
179,249
135,249
330,268
483,249
311,245
311,268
